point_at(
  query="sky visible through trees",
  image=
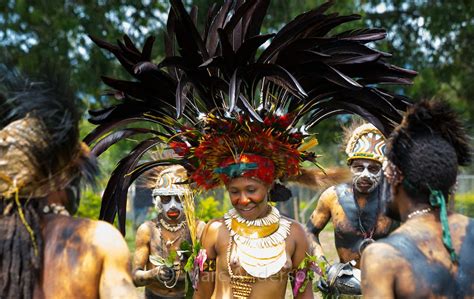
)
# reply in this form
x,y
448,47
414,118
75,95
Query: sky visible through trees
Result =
x,y
431,37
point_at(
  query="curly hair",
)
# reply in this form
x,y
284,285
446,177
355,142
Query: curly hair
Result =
x,y
428,147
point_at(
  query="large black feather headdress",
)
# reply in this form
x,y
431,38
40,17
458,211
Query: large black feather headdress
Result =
x,y
218,96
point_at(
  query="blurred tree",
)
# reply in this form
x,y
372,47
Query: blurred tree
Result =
x,y
432,37
55,32
209,208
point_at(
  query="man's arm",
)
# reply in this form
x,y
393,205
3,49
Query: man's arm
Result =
x,y
206,284
379,265
319,219
301,250
141,277
115,278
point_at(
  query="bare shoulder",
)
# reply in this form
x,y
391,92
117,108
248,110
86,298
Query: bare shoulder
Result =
x,y
296,228
212,235
298,233
459,220
380,267
380,258
328,195
213,228
215,225
145,229
60,227
381,250
107,237
200,225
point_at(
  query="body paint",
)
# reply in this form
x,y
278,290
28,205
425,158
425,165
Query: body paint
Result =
x,y
359,176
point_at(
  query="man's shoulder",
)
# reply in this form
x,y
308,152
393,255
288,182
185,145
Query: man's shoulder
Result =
x,y
381,252
66,226
331,193
90,233
101,234
146,226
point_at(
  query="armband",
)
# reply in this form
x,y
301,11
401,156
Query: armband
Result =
x,y
209,265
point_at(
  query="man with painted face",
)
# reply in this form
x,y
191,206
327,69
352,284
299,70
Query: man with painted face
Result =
x,y
155,264
355,209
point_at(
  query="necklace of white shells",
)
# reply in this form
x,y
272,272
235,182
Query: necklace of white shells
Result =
x,y
259,245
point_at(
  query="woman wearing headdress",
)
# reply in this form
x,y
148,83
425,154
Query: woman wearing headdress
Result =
x,y
430,254
240,117
44,251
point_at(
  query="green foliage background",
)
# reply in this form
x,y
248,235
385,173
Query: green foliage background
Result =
x,y
432,37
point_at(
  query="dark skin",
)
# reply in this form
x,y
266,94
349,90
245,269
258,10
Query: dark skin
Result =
x,y
413,261
337,204
248,197
150,241
84,258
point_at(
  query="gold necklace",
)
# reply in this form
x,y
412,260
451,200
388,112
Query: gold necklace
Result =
x,y
261,253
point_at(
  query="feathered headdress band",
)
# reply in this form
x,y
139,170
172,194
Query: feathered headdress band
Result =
x,y
217,97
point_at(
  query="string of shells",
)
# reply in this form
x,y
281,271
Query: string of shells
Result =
x,y
272,218
272,240
172,228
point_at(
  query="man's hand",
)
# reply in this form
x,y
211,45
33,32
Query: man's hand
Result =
x,y
164,274
323,286
342,278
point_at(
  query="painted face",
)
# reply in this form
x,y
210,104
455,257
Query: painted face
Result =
x,y
170,206
366,175
249,197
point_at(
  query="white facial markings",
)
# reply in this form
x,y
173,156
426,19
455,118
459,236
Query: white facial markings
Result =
x,y
361,172
173,203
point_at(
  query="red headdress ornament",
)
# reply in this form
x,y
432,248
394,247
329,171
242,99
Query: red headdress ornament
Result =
x,y
219,99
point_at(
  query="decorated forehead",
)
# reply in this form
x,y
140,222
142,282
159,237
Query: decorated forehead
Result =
x,y
247,165
170,182
366,142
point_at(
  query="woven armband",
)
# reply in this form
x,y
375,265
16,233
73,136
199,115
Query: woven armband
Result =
x,y
210,265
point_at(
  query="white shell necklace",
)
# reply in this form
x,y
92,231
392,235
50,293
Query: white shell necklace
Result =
x,y
172,228
418,212
265,256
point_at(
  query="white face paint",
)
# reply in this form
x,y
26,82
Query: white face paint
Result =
x,y
170,206
366,175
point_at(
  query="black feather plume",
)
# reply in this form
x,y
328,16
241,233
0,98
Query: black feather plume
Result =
x,y
304,71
